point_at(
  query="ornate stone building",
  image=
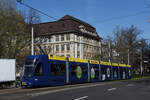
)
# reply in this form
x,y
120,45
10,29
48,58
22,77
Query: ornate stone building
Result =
x,y
68,37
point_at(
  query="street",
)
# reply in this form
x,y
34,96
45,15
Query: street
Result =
x,y
116,90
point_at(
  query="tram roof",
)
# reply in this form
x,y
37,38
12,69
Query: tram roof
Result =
x,y
63,58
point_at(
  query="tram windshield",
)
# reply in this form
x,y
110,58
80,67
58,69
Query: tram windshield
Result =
x,y
29,66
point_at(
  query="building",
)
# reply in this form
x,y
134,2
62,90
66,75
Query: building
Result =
x,y
68,36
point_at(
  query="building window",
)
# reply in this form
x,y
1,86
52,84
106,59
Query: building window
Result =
x,y
57,48
68,37
44,39
57,37
62,47
68,55
87,47
68,47
49,39
78,38
78,54
50,49
62,37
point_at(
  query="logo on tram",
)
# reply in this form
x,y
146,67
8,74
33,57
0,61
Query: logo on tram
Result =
x,y
108,72
92,73
115,73
79,72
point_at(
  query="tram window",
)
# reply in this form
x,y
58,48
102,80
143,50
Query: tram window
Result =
x,y
84,70
57,69
103,70
96,71
121,71
38,70
73,70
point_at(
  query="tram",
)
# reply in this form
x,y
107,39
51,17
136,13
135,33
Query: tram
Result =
x,y
47,70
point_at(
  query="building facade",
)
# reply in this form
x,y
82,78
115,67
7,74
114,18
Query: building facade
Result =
x,y
67,37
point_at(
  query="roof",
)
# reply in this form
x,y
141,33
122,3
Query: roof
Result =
x,y
65,24
68,17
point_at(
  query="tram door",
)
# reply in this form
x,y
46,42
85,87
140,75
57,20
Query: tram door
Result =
x,y
57,72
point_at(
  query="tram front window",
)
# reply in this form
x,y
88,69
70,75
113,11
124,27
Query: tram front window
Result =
x,y
29,67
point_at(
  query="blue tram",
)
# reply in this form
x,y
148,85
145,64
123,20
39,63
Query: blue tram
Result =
x,y
47,70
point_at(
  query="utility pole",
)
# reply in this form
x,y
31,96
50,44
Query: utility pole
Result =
x,y
32,41
100,57
141,63
109,54
109,47
128,56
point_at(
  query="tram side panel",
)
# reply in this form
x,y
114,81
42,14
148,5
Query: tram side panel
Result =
x,y
57,72
105,72
94,73
123,73
78,72
129,73
115,73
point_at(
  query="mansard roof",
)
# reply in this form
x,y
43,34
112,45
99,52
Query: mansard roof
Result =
x,y
63,25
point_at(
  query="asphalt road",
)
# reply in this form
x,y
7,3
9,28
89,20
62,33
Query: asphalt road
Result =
x,y
131,90
126,90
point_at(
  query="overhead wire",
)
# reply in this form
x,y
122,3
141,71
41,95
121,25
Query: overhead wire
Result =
x,y
38,11
122,17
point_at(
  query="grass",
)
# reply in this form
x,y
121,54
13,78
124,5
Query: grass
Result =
x,y
138,77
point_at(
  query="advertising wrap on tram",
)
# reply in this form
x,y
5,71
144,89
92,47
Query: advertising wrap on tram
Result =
x,y
48,70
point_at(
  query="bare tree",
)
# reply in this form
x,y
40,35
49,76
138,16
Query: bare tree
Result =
x,y
126,42
13,32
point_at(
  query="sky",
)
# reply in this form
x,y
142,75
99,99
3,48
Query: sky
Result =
x,y
104,15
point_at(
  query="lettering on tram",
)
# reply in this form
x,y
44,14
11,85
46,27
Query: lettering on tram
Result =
x,y
57,69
